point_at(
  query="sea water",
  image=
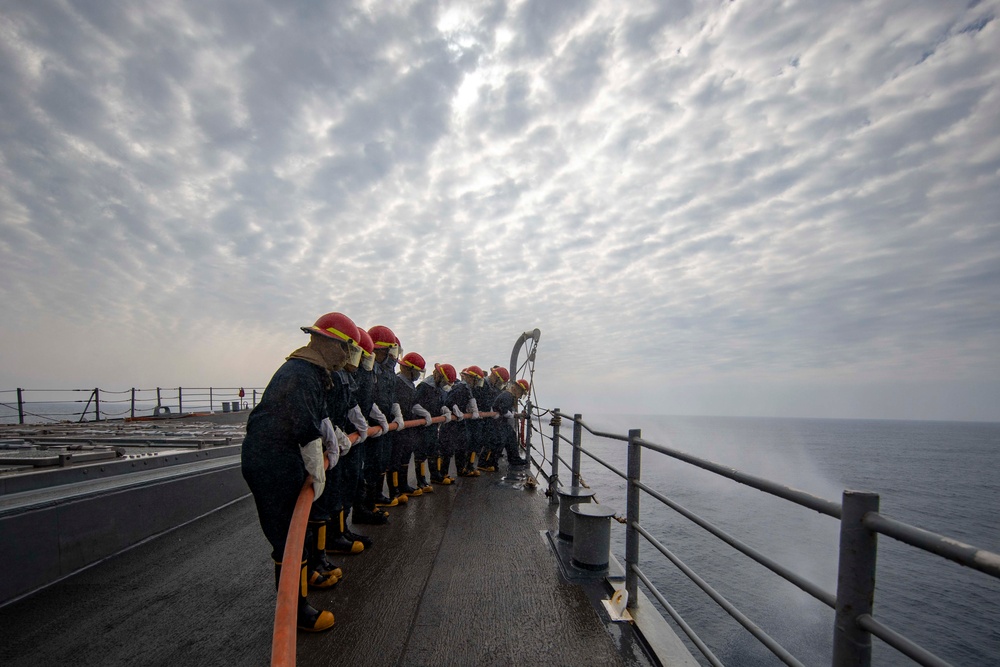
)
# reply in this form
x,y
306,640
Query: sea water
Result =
x,y
940,476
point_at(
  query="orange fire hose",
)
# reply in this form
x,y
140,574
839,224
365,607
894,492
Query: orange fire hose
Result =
x,y
286,607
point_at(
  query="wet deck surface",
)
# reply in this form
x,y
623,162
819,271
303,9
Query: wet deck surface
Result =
x,y
459,577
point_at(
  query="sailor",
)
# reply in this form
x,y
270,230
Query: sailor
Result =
x,y
346,406
505,404
429,400
377,459
462,402
362,507
287,436
484,394
406,442
412,367
495,383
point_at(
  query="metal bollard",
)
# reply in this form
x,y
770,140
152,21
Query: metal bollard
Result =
x,y
592,536
567,498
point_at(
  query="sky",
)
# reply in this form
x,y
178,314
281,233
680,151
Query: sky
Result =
x,y
724,208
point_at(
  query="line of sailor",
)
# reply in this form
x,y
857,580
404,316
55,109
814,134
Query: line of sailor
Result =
x,y
340,384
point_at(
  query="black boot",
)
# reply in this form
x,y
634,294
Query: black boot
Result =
x,y
423,481
435,465
395,491
308,618
381,500
487,464
336,542
322,572
351,535
404,482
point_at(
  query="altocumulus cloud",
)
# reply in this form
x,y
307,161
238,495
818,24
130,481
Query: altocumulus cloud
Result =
x,y
705,206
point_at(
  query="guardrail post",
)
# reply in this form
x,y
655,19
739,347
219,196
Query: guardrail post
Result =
x,y
210,408
133,403
180,402
20,406
554,477
97,404
255,398
852,645
632,516
528,430
158,401
577,444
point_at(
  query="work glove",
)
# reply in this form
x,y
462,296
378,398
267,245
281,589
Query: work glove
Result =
x,y
315,462
359,422
377,415
343,442
446,413
397,416
474,408
421,411
458,413
327,435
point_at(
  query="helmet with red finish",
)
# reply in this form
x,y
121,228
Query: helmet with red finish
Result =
x,y
413,360
448,371
336,326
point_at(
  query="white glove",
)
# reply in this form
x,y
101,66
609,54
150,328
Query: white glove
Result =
x,y
359,422
312,457
474,408
447,414
421,411
343,442
496,415
397,416
508,415
377,415
332,456
458,413
328,436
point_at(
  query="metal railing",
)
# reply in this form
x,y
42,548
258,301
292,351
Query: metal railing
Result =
x,y
860,525
44,405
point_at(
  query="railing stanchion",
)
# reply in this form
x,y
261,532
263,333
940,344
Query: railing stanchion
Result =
x,y
632,516
852,644
210,408
577,444
97,404
255,398
20,405
528,430
554,477
180,402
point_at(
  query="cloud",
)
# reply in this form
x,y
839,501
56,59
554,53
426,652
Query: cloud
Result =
x,y
720,196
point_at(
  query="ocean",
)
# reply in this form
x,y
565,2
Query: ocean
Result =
x,y
940,476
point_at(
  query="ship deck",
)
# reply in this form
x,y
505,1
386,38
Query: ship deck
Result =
x,y
463,576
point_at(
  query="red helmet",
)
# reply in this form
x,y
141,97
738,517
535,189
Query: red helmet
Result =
x,y
448,370
523,384
476,371
382,336
414,360
366,342
502,372
336,326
